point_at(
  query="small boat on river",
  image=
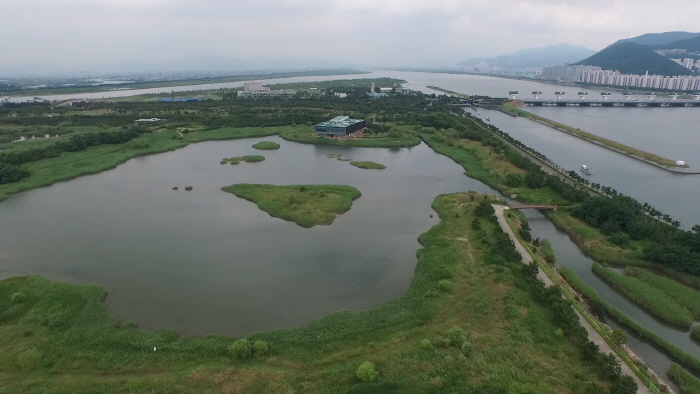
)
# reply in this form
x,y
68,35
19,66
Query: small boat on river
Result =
x,y
585,169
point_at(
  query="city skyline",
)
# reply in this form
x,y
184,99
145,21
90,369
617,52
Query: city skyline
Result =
x,y
371,33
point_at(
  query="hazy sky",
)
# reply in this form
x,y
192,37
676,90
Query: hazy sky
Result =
x,y
378,32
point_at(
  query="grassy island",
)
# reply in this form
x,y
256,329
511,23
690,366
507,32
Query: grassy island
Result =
x,y
368,165
305,205
266,145
380,140
247,159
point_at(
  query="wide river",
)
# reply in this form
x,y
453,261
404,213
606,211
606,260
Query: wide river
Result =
x,y
207,262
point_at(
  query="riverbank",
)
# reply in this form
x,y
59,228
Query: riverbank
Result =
x,y
649,158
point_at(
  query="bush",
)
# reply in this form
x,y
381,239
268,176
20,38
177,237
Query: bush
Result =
x,y
619,337
18,298
456,336
240,349
28,359
260,348
425,344
619,238
467,348
445,285
366,372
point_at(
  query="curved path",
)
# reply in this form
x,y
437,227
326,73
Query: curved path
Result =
x,y
592,333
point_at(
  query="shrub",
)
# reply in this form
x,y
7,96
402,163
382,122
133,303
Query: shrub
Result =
x,y
456,336
240,349
366,372
18,298
467,348
445,285
619,337
260,347
28,359
619,238
425,344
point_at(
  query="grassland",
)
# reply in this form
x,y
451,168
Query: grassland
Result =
x,y
370,165
482,333
266,145
96,159
380,140
651,298
305,205
627,150
683,295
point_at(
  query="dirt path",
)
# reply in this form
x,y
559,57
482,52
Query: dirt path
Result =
x,y
592,333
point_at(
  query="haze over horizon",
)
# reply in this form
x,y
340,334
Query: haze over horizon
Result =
x,y
365,32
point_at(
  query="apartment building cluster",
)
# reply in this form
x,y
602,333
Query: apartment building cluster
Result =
x,y
598,76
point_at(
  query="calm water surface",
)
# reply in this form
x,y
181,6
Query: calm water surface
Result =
x,y
208,262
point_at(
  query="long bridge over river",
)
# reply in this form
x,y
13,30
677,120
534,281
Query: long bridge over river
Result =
x,y
610,103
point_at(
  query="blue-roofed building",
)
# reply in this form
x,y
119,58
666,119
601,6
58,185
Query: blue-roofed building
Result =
x,y
340,126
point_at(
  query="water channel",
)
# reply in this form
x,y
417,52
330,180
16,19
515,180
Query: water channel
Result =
x,y
365,257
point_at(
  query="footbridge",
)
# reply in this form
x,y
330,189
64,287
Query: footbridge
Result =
x,y
534,206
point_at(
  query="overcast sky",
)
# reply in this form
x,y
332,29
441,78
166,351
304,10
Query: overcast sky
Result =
x,y
378,32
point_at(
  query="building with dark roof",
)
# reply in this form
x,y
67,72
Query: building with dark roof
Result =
x,y
340,126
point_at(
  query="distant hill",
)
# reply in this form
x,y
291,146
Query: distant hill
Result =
x,y
659,38
691,44
535,57
633,58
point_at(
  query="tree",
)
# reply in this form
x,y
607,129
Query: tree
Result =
x,y
366,372
619,337
240,349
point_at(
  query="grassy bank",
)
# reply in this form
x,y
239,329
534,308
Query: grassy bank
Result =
x,y
684,296
380,140
370,165
465,325
650,298
305,205
628,150
266,145
452,92
688,383
96,159
598,303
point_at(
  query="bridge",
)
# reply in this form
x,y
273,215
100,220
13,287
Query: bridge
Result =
x,y
608,103
534,206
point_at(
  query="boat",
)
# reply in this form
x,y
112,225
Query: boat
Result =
x,y
585,169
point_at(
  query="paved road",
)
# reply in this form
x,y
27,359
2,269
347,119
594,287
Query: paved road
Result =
x,y
592,333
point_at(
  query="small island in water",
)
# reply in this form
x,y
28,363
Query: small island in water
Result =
x,y
266,145
370,165
247,159
305,205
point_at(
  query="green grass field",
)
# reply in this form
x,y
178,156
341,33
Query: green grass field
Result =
x,y
370,165
481,333
305,205
683,295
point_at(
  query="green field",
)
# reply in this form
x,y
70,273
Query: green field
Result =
x,y
370,165
305,205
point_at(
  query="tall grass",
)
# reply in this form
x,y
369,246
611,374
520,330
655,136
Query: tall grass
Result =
x,y
683,295
266,145
686,359
688,383
651,298
368,165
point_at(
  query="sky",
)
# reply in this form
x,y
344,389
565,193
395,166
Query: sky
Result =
x,y
378,32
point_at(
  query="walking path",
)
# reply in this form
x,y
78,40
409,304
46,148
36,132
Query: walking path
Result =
x,y
592,333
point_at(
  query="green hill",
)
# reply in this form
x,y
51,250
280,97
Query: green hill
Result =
x,y
655,39
691,44
632,58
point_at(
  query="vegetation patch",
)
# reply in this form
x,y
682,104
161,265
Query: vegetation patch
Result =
x,y
688,383
368,165
266,145
683,295
380,140
305,205
247,159
651,298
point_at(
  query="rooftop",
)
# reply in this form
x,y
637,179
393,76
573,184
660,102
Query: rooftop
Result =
x,y
339,121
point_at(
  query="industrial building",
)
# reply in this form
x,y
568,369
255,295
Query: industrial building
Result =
x,y
340,126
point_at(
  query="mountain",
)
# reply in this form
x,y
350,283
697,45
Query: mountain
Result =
x,y
535,57
633,58
691,44
218,63
659,38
